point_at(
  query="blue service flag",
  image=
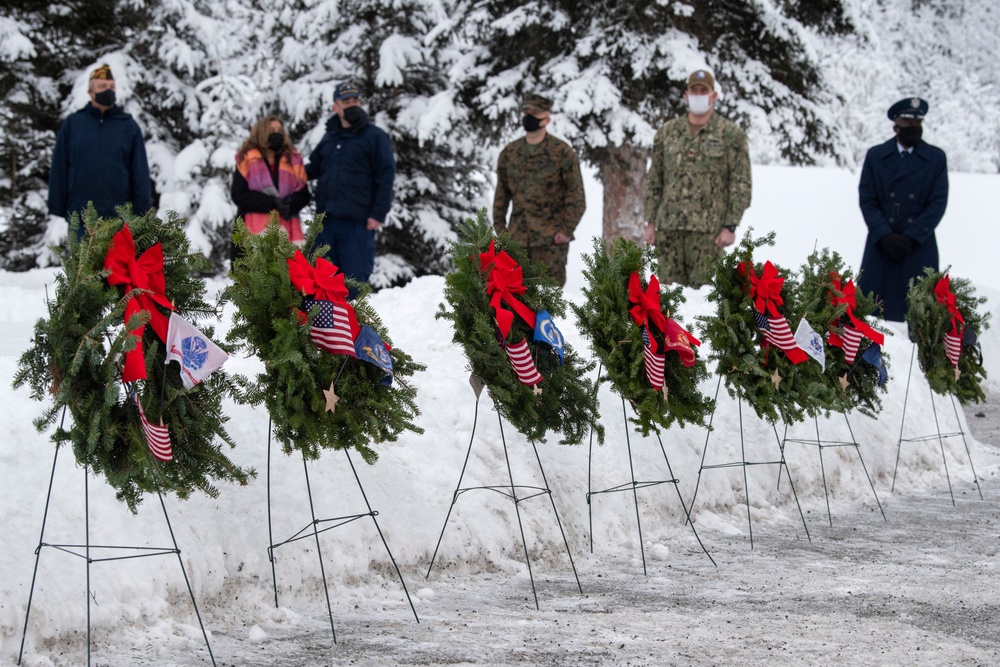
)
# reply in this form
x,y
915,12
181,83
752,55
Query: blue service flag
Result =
x,y
547,332
873,355
369,347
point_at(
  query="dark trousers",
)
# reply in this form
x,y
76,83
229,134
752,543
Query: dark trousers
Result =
x,y
352,248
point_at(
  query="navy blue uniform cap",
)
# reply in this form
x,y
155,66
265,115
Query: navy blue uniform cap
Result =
x,y
911,107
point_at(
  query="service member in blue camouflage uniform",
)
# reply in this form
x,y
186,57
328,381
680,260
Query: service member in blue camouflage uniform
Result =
x,y
540,174
903,194
697,188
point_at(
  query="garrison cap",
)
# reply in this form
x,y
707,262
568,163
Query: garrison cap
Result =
x,y
344,90
703,77
536,102
911,107
102,72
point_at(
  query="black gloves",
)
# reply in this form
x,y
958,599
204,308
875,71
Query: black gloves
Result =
x,y
283,207
896,246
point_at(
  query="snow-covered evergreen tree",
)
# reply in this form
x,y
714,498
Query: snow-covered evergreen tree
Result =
x,y
617,71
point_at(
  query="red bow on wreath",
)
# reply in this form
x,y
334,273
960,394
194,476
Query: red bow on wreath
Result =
x,y
952,339
336,327
647,312
143,273
766,294
852,335
503,283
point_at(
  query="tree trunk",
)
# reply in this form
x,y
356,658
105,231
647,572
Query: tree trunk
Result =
x,y
623,175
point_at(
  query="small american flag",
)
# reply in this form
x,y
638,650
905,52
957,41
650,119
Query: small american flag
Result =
x,y
852,339
157,437
330,329
654,362
524,365
777,332
952,348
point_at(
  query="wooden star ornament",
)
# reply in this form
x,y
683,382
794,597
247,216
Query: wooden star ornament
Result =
x,y
776,378
536,390
331,399
844,381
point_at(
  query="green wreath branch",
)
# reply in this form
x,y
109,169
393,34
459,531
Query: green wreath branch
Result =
x,y
928,322
75,361
855,385
297,373
567,402
617,341
766,379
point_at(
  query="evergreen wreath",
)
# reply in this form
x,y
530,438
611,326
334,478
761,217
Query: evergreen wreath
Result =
x,y
617,340
565,400
300,381
828,293
762,376
929,320
76,359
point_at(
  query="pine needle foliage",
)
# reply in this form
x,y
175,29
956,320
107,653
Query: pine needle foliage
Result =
x,y
617,341
928,321
568,402
75,361
296,372
817,293
766,379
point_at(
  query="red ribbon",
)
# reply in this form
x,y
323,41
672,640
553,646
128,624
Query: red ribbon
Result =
x,y
647,312
503,283
144,273
847,297
324,281
945,297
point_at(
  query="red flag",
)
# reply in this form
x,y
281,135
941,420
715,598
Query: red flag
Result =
x,y
851,339
157,436
524,365
952,348
654,362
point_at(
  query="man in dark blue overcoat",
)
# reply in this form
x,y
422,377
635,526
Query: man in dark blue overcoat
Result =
x,y
99,157
903,195
354,168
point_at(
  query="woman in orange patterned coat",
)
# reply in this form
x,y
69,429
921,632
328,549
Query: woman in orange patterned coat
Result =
x,y
270,176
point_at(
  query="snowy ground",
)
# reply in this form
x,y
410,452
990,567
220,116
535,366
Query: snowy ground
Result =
x,y
919,588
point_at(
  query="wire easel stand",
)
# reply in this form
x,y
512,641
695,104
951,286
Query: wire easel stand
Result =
x,y
318,526
938,435
87,551
510,491
634,486
743,463
824,444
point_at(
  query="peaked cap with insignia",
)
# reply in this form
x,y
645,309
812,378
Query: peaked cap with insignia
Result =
x,y
911,107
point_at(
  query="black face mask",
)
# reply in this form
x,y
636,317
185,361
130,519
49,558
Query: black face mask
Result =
x,y
530,123
354,115
909,136
275,141
106,98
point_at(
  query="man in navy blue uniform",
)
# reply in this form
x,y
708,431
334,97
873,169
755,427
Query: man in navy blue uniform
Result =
x,y
99,157
354,168
903,195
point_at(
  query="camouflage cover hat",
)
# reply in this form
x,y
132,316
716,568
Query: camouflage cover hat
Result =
x,y
344,90
911,107
102,72
536,102
702,77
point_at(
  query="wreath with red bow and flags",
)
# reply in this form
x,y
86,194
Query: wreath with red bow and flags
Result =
x,y
145,424
331,377
649,358
945,323
856,365
503,311
758,356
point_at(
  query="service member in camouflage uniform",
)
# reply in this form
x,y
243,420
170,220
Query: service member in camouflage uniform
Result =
x,y
541,175
697,188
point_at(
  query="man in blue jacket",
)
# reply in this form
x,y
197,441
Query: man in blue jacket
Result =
x,y
903,195
354,168
99,157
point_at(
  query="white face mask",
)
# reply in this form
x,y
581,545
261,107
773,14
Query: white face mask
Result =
x,y
699,104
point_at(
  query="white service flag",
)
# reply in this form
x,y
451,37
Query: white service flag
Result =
x,y
198,356
811,342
